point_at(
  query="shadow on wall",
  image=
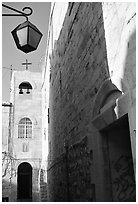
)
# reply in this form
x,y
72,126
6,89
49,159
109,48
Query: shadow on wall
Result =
x,y
6,190
129,85
70,179
11,188
43,186
129,78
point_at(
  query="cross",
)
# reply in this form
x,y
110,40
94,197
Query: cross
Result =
x,y
26,63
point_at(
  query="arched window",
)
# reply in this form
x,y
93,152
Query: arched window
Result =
x,y
25,128
25,88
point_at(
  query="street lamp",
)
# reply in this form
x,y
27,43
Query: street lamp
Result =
x,y
26,35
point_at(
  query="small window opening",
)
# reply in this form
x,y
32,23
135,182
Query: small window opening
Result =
x,y
25,88
25,147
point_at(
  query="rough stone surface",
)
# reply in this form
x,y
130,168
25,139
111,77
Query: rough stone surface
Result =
x,y
96,43
78,67
43,187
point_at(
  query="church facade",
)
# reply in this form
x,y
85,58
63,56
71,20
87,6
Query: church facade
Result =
x,y
25,141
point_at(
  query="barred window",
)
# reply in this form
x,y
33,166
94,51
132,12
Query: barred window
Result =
x,y
25,128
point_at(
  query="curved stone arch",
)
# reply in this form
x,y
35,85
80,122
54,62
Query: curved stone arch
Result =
x,y
18,162
25,84
21,162
32,118
106,91
33,84
23,118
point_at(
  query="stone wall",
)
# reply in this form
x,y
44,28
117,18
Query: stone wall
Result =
x,y
6,157
80,161
57,182
43,186
5,128
120,32
78,67
95,51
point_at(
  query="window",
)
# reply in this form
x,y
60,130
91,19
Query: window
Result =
x,y
25,147
25,128
25,88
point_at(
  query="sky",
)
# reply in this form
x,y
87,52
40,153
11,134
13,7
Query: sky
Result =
x,y
15,57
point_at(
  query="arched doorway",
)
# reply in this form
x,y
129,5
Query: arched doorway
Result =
x,y
115,168
118,162
24,182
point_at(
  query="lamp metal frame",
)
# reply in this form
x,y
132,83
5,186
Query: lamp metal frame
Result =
x,y
20,13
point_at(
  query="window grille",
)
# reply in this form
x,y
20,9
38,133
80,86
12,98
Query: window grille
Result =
x,y
25,128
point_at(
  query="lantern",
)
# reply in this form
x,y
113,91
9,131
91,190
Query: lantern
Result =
x,y
26,36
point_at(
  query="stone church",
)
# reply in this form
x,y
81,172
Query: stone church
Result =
x,y
24,141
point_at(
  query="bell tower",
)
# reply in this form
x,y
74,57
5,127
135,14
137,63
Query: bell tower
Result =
x,y
26,131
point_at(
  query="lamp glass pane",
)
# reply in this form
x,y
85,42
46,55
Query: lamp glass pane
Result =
x,y
34,37
22,36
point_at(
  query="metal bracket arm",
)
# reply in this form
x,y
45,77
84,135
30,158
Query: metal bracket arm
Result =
x,y
20,12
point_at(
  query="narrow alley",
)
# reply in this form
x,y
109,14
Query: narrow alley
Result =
x,y
69,129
